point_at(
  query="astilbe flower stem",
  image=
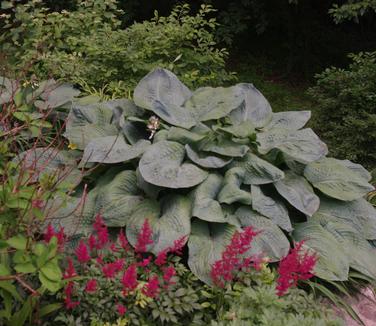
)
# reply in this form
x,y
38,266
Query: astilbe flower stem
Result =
x,y
297,265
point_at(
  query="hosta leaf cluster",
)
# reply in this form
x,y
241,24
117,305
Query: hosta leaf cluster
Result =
x,y
221,160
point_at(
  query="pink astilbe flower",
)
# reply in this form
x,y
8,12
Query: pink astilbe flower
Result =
x,y
92,242
60,236
178,245
111,269
82,253
297,265
223,270
129,279
121,309
91,286
161,258
151,289
69,304
144,238
123,240
70,271
168,273
102,232
145,262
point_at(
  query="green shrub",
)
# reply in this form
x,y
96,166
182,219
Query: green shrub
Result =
x,y
345,115
89,47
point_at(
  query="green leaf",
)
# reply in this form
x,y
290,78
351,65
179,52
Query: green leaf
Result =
x,y
18,242
257,170
225,147
271,208
19,318
161,91
50,308
243,130
52,286
113,149
255,109
302,145
206,160
170,220
162,165
52,271
184,136
55,95
10,288
206,244
231,191
335,180
357,168
291,120
298,192
25,268
271,241
333,262
205,205
4,270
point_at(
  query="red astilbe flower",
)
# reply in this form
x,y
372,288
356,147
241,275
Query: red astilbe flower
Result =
x,y
111,269
129,279
92,242
121,309
161,258
151,289
68,291
122,240
223,270
70,271
175,249
144,238
297,265
60,236
102,232
82,253
91,286
168,273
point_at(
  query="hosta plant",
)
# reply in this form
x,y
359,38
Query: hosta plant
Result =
x,y
203,164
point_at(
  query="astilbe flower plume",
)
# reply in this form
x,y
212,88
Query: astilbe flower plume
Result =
x,y
109,270
151,289
129,279
60,236
144,237
82,253
175,249
223,270
91,286
168,273
102,232
70,271
121,309
69,304
123,240
297,265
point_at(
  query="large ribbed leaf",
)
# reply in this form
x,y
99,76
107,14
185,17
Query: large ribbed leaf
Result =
x,y
336,180
55,95
271,208
206,244
291,120
244,129
124,106
117,199
184,136
170,220
162,165
360,253
133,131
85,123
302,145
359,213
298,192
357,168
149,189
256,108
60,165
161,91
258,171
113,149
207,160
205,205
231,191
225,147
271,241
333,263
208,103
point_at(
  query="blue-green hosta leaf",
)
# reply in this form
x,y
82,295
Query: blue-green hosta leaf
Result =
x,y
117,200
161,91
60,165
149,189
125,107
333,261
225,147
357,168
271,208
244,129
205,205
359,213
361,254
184,136
335,180
294,166
271,241
113,149
160,135
208,103
291,120
206,244
231,191
133,132
170,220
298,192
258,171
207,160
256,108
162,165
302,145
